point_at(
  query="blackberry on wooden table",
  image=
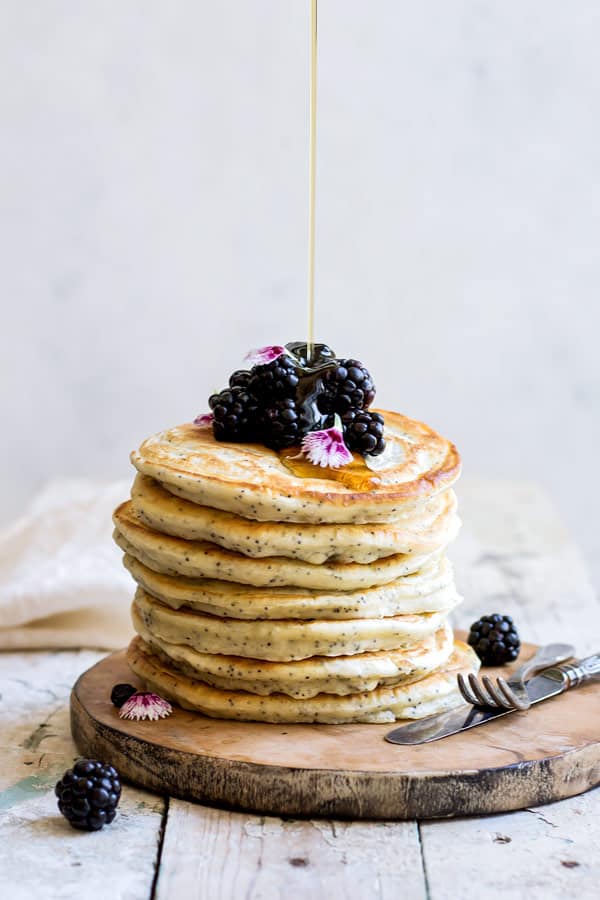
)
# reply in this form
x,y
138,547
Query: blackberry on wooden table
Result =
x,y
495,639
88,794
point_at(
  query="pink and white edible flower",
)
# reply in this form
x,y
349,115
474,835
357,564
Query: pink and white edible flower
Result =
x,y
327,448
263,355
145,705
204,420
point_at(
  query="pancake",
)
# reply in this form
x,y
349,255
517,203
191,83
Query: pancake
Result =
x,y
201,559
434,693
424,530
304,678
282,640
252,481
430,590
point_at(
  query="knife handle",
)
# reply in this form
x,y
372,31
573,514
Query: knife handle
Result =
x,y
584,670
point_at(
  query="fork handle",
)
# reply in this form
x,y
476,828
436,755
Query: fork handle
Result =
x,y
547,656
584,670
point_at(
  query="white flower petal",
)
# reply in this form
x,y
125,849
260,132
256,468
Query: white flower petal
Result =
x,y
326,448
263,355
205,419
145,705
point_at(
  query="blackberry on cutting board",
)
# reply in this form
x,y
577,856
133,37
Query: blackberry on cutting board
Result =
x,y
347,386
283,425
121,693
235,414
495,639
88,794
363,432
273,381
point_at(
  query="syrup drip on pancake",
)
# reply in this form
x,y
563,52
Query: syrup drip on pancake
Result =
x,y
356,475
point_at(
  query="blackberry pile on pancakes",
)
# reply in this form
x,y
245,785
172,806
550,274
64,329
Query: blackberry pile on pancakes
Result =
x,y
296,582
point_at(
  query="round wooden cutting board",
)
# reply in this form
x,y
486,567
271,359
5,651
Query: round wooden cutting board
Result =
x,y
524,759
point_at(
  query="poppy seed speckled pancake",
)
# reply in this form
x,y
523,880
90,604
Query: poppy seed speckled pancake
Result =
x,y
285,640
306,677
430,590
201,559
434,693
423,530
253,481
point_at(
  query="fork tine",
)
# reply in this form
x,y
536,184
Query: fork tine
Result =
x,y
507,692
482,698
465,691
498,698
487,693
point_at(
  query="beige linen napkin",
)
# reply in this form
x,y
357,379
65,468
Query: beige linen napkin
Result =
x,y
62,583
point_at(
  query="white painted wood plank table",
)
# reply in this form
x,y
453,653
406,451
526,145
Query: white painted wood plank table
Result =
x,y
513,556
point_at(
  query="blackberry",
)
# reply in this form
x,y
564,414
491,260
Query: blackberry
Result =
x,y
494,639
273,381
88,794
121,693
283,425
235,415
363,432
240,378
347,386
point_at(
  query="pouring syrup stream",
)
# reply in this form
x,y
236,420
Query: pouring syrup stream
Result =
x,y
312,178
355,475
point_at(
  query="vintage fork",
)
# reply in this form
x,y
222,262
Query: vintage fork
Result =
x,y
512,694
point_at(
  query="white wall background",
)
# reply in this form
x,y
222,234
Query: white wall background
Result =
x,y
153,217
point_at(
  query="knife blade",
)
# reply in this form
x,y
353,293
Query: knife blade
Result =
x,y
548,684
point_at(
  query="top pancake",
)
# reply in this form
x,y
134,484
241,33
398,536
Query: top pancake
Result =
x,y
252,481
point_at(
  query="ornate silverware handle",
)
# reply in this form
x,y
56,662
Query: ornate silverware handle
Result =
x,y
550,655
585,669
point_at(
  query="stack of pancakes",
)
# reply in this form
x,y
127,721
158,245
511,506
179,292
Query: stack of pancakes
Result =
x,y
268,595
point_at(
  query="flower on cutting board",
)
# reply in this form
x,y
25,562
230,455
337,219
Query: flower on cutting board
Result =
x,y
145,705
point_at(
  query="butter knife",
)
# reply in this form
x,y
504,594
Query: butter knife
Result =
x,y
549,683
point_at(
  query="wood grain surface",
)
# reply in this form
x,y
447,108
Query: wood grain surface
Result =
x,y
550,752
